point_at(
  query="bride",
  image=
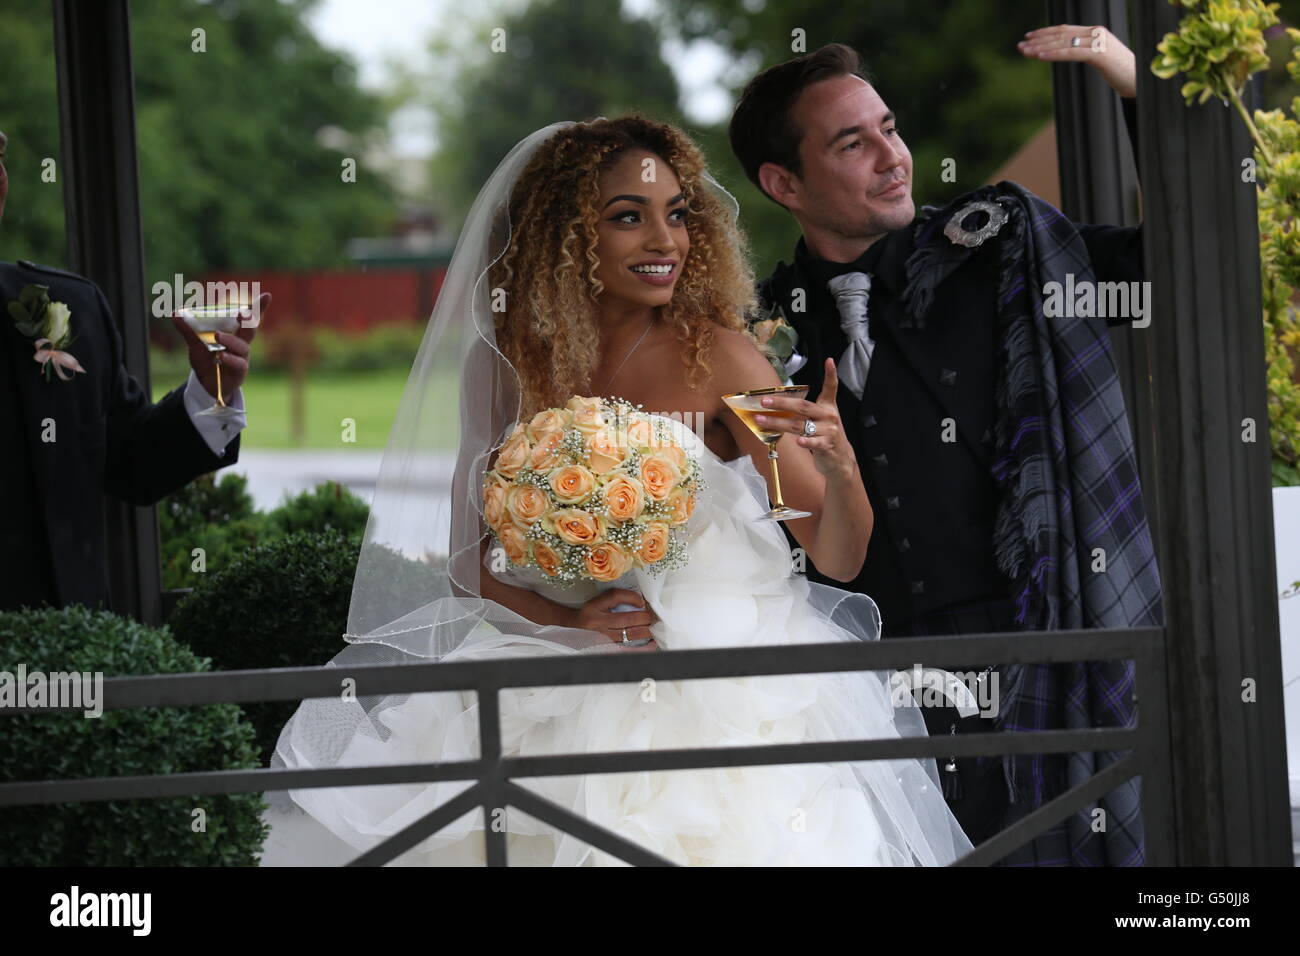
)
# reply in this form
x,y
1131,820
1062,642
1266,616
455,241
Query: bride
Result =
x,y
601,259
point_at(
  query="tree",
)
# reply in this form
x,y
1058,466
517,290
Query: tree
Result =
x,y
237,167
553,60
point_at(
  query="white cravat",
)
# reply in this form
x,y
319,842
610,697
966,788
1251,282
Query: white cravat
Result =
x,y
851,292
217,434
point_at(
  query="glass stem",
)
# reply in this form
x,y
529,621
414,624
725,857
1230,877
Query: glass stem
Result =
x,y
219,399
776,475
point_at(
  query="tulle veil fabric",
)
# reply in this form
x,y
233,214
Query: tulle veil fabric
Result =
x,y
417,597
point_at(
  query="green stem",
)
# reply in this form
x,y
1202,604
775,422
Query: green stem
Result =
x,y
1250,125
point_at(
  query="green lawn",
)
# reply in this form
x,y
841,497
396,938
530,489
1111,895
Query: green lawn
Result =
x,y
371,398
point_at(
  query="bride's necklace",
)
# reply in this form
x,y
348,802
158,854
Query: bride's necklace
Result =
x,y
629,353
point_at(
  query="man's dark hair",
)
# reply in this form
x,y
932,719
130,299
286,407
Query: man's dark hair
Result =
x,y
762,129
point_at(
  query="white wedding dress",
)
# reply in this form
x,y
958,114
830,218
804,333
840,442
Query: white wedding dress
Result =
x,y
737,590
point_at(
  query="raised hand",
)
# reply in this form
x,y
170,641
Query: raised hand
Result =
x,y
1097,47
234,361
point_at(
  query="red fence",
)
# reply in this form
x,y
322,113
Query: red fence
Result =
x,y
350,301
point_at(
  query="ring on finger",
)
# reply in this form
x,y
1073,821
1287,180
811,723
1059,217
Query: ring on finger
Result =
x,y
1076,41
809,428
624,635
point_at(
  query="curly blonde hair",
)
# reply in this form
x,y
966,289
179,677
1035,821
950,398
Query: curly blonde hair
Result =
x,y
548,270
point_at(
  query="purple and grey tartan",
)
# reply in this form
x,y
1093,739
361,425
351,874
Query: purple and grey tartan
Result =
x,y
1065,463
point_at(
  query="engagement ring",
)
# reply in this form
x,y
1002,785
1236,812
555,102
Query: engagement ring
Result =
x,y
1075,41
809,428
624,635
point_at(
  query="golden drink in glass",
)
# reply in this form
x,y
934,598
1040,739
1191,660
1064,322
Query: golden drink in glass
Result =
x,y
207,321
748,404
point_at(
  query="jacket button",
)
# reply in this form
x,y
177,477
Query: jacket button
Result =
x,y
918,587
881,461
987,436
904,545
947,377
869,421
892,504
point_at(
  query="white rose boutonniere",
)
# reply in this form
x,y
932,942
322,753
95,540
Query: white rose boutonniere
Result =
x,y
50,324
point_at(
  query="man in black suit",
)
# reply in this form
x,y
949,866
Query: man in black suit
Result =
x,y
815,136
91,430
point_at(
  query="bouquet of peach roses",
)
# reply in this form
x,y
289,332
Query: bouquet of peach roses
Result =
x,y
589,491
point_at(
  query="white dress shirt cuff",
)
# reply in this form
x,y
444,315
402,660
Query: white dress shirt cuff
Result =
x,y
215,432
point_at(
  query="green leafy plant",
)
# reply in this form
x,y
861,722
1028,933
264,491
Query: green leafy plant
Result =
x,y
285,604
1218,46
327,507
219,517
216,516
279,604
54,746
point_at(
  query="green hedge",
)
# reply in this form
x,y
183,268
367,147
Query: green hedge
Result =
x,y
158,832
219,517
279,604
284,604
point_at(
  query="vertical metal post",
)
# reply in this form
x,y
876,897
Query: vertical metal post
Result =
x,y
489,736
92,43
1213,476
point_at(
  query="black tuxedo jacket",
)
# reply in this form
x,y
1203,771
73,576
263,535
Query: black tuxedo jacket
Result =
x,y
109,438
934,500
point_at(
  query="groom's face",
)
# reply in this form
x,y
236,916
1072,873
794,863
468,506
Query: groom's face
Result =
x,y
851,155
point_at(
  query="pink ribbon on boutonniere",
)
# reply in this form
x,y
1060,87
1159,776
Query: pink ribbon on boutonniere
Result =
x,y
61,360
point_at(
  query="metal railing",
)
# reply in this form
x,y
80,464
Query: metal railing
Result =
x,y
494,774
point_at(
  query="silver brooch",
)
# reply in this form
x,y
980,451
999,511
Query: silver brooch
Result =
x,y
970,238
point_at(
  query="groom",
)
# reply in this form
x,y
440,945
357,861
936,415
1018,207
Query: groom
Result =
x,y
924,317
86,428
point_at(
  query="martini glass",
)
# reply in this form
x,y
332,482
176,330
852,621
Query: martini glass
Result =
x,y
748,404
207,321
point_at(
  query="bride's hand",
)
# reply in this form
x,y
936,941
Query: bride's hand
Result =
x,y
596,615
1097,47
831,451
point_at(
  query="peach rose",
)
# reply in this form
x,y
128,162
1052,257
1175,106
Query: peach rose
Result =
x,y
653,545
588,414
640,434
659,475
674,453
546,557
550,420
513,540
607,561
526,503
494,499
545,454
576,526
572,483
514,453
681,505
606,449
624,498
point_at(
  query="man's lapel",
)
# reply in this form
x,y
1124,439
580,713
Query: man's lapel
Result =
x,y
38,399
936,353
